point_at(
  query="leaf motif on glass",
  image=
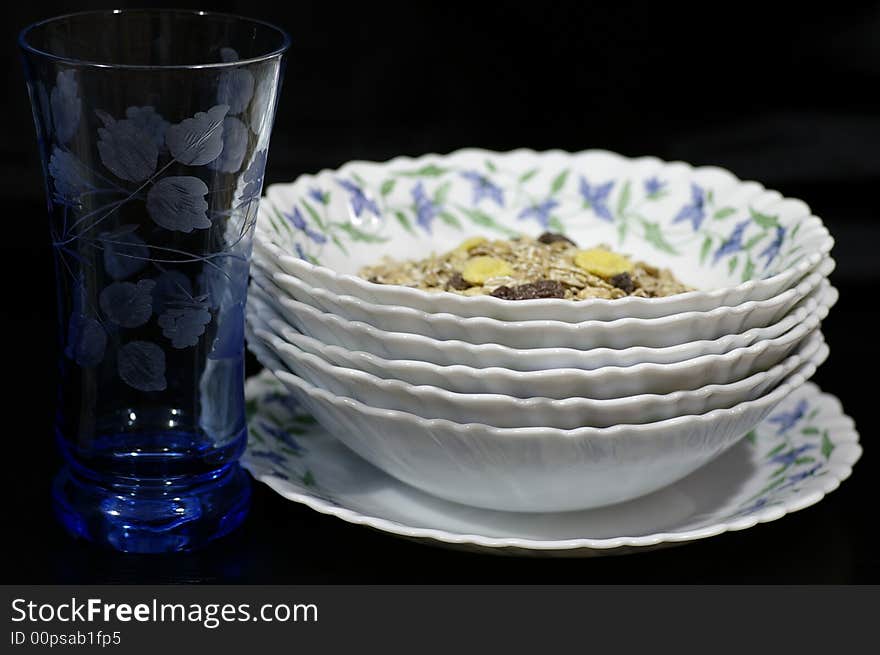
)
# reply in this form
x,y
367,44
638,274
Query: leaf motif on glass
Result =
x,y
253,177
198,140
125,253
183,322
86,340
149,122
171,285
127,304
141,365
235,89
66,106
235,140
129,152
70,178
178,203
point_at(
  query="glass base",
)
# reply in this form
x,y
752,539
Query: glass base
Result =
x,y
152,519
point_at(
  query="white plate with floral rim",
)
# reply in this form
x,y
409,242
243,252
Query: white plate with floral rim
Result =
x,y
801,452
733,240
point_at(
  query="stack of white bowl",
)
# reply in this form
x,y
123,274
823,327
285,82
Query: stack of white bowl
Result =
x,y
547,404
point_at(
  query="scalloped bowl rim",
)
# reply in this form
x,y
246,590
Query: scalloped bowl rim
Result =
x,y
810,323
804,265
814,340
797,378
418,339
823,304
804,287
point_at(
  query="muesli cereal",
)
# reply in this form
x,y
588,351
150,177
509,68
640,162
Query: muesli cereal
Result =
x,y
521,268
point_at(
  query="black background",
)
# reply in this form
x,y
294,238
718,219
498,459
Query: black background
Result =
x,y
785,94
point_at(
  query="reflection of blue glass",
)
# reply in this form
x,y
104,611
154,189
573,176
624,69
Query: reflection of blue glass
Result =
x,y
154,165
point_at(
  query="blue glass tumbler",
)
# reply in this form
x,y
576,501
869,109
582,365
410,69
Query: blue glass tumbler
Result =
x,y
153,127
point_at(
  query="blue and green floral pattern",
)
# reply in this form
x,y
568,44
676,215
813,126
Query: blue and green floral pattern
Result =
x,y
280,432
796,446
324,218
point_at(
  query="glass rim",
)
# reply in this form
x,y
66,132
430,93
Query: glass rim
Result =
x,y
73,61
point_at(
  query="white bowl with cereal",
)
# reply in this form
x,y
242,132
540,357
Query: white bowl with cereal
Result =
x,y
730,241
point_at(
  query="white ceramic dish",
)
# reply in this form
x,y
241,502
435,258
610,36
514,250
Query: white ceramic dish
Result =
x,y
619,334
534,359
508,412
601,383
531,469
734,240
755,482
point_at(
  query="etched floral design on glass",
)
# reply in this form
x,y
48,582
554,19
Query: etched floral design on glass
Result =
x,y
154,169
